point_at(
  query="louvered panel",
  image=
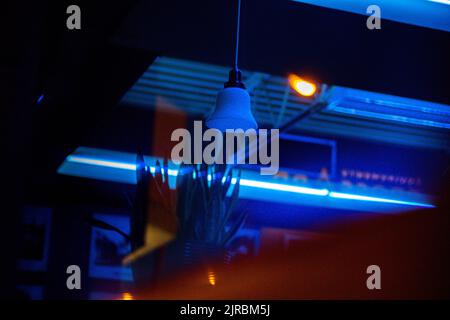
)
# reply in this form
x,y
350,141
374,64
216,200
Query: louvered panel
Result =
x,y
195,108
201,94
380,125
337,128
164,92
192,87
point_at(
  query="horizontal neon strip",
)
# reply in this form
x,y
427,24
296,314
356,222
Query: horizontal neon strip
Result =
x,y
283,187
375,199
253,183
391,117
101,163
113,164
447,2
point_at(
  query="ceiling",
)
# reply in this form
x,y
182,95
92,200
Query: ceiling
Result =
x,y
192,86
283,36
70,82
433,14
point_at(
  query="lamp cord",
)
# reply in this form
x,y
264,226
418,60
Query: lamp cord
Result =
x,y
237,35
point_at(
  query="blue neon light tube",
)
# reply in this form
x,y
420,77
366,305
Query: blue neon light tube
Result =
x,y
250,183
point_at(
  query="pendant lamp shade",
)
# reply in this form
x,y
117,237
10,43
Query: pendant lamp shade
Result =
x,y
233,111
233,108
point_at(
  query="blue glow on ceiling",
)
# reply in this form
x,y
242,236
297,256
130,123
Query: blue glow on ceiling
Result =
x,y
433,14
380,106
118,167
39,100
447,2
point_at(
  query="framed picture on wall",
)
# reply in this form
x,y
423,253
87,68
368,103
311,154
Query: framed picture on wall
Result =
x,y
108,248
36,239
244,243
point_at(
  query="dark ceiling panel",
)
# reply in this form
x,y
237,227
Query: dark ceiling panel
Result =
x,y
285,36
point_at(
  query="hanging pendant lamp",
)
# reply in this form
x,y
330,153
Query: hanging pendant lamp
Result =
x,y
233,108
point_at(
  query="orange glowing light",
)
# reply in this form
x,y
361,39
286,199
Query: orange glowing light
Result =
x,y
127,296
212,278
302,86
